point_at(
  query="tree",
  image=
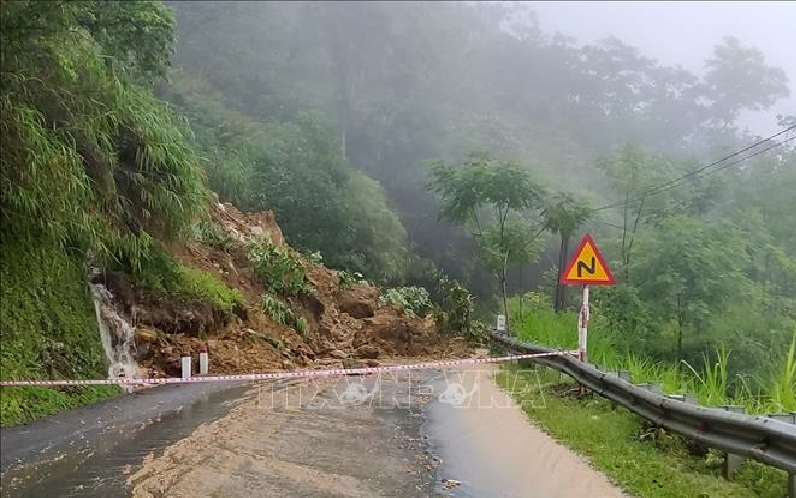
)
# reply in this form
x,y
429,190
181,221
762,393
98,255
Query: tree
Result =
x,y
563,216
738,78
494,201
686,269
631,172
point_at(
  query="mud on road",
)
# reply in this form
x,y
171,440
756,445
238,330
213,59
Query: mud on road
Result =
x,y
351,436
448,432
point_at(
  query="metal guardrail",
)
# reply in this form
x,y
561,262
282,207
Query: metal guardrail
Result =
x,y
766,440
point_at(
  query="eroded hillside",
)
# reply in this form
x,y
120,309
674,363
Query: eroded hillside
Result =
x,y
343,322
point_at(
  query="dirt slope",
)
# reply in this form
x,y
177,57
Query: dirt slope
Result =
x,y
346,327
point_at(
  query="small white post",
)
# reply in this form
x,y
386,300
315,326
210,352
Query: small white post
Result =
x,y
583,320
501,323
203,364
186,367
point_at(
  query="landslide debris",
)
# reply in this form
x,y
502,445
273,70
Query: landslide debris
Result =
x,y
341,323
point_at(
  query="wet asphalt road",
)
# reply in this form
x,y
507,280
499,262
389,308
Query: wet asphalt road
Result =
x,y
80,451
427,433
99,450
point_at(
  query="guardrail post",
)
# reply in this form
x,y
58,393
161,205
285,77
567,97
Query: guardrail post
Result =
x,y
656,387
624,375
732,462
186,367
691,399
789,418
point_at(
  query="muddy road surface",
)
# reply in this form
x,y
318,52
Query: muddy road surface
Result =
x,y
418,433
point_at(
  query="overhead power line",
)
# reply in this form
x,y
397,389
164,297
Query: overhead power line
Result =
x,y
677,181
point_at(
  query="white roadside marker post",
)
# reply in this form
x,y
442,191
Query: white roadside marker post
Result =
x,y
203,364
186,367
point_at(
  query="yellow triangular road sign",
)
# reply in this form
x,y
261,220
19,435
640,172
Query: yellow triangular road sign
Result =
x,y
587,266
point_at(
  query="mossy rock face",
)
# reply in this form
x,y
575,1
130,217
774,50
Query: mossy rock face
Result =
x,y
49,330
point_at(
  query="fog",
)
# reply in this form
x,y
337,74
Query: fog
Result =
x,y
685,32
358,98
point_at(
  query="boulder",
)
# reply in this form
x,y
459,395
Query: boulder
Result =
x,y
367,351
144,335
338,354
358,308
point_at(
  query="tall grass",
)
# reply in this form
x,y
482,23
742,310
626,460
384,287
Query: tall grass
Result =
x,y
710,382
783,381
542,325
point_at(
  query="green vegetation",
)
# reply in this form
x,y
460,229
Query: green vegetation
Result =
x,y
90,158
711,380
482,76
94,168
455,315
164,277
207,232
414,300
49,330
281,313
279,271
294,167
495,201
650,464
195,284
348,279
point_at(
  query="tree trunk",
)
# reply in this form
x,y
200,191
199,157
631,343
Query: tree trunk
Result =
x,y
679,333
561,289
505,302
521,290
679,344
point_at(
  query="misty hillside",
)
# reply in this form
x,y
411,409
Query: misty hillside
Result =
x,y
398,84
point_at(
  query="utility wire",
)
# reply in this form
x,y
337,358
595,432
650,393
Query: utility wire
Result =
x,y
723,167
733,163
676,181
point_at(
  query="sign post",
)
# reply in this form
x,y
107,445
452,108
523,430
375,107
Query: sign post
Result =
x,y
587,267
583,320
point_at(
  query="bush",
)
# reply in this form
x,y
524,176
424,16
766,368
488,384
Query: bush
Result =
x,y
194,284
211,234
414,300
281,313
315,258
278,270
348,279
161,274
455,314
302,326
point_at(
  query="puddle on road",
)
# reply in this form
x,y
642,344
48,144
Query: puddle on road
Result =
x,y
102,470
490,448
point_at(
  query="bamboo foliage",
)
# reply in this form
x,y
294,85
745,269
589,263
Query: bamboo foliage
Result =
x,y
90,158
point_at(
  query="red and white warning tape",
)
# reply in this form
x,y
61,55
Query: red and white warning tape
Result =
x,y
286,375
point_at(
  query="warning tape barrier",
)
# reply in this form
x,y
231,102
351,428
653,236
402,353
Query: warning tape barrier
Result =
x,y
295,374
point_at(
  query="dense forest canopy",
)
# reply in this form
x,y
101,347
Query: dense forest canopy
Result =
x,y
117,116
